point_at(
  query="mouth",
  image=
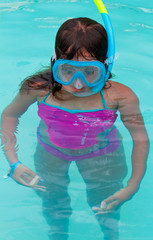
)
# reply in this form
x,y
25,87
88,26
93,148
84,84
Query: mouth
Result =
x,y
78,90
81,90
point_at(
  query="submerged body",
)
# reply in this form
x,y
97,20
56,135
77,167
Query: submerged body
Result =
x,y
100,159
90,138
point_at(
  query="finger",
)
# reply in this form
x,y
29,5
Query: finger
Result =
x,y
107,208
96,209
34,180
114,204
39,186
22,182
103,205
100,210
30,172
26,177
110,199
103,212
42,188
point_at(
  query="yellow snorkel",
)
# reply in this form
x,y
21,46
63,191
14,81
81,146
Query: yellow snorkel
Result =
x,y
101,7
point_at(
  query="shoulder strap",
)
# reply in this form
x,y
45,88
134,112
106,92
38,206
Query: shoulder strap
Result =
x,y
103,100
46,96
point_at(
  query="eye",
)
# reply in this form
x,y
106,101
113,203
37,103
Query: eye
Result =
x,y
89,72
67,71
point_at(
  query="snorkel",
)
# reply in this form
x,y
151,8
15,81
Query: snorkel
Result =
x,y
111,42
110,34
70,72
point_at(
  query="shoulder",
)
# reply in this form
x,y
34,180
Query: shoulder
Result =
x,y
127,101
36,94
120,96
20,103
41,94
122,93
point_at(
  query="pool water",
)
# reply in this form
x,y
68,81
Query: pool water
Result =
x,y
27,33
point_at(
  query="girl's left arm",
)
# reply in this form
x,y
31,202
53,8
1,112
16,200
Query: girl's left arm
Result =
x,y
132,119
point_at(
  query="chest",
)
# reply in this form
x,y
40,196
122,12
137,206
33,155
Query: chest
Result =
x,y
83,103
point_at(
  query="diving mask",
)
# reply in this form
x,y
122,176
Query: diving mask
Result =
x,y
79,74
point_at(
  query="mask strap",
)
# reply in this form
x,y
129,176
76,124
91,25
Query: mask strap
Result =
x,y
53,59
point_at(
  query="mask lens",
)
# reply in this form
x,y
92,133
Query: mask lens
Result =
x,y
65,72
92,74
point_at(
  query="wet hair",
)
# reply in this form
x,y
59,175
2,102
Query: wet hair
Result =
x,y
73,37
78,34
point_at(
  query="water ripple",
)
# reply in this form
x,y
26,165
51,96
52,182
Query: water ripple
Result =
x,y
120,5
8,140
13,6
51,19
137,26
141,25
9,7
146,10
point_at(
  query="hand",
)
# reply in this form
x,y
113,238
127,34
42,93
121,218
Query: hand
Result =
x,y
26,177
116,200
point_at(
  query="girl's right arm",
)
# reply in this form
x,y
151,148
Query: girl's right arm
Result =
x,y
9,122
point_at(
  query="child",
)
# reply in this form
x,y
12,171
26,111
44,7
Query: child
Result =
x,y
78,110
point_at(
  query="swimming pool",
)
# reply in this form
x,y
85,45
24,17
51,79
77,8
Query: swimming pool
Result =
x,y
27,31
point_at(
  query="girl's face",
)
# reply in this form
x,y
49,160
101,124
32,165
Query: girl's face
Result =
x,y
79,86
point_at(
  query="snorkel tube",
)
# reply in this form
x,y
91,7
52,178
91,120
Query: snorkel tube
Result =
x,y
110,34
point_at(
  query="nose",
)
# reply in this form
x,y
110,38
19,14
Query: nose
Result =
x,y
78,84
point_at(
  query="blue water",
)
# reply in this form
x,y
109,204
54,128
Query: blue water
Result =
x,y
27,33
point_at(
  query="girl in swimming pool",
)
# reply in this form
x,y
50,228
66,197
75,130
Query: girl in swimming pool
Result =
x,y
78,109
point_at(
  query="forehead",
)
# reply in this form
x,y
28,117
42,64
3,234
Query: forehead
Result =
x,y
83,55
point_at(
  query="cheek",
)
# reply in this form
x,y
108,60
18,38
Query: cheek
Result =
x,y
67,87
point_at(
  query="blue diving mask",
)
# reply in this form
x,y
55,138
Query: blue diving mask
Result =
x,y
88,75
80,74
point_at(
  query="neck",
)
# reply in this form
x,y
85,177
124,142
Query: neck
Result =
x,y
69,96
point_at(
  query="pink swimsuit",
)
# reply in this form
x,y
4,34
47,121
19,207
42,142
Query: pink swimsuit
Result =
x,y
78,129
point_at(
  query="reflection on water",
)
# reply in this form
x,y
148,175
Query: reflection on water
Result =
x,y
8,140
9,6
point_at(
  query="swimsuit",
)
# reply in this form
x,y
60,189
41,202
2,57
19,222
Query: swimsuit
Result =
x,y
78,130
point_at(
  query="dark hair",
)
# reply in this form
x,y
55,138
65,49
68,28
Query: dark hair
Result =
x,y
72,38
81,33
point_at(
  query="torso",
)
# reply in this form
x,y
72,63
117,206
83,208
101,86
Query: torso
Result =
x,y
79,114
